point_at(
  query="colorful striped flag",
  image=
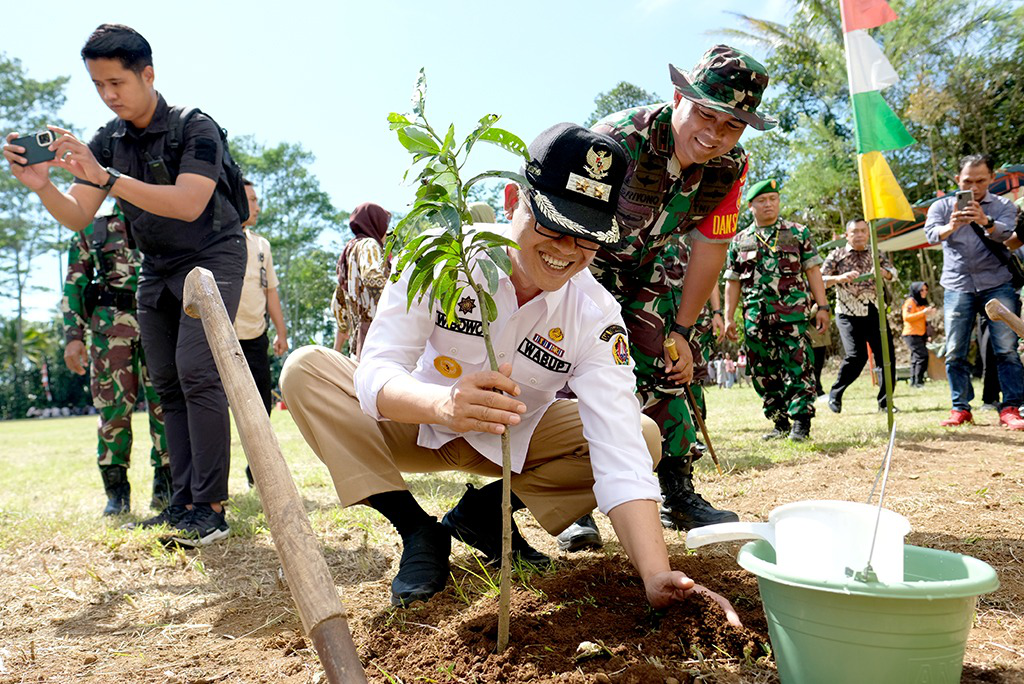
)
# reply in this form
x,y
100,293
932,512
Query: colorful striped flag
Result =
x,y
876,126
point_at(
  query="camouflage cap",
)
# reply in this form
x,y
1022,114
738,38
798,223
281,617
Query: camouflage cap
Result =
x,y
767,185
727,80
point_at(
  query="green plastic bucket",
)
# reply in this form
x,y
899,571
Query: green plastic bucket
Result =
x,y
911,632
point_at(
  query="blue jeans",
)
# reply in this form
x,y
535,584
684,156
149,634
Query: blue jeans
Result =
x,y
961,309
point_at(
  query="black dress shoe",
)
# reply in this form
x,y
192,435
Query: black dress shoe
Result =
x,y
476,521
836,404
582,534
423,570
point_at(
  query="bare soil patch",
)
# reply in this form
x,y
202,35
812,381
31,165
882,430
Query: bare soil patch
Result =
x,y
118,609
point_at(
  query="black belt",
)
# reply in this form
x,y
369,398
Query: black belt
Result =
x,y
123,300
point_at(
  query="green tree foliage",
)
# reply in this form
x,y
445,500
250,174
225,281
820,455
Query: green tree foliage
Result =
x,y
26,230
21,384
624,95
300,222
960,91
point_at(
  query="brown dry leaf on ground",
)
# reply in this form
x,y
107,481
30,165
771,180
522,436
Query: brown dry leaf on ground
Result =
x,y
118,608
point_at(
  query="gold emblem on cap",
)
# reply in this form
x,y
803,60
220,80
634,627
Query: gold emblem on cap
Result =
x,y
447,367
773,184
556,334
598,163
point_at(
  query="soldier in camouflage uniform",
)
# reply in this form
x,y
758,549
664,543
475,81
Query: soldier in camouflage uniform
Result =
x,y
767,263
99,295
685,177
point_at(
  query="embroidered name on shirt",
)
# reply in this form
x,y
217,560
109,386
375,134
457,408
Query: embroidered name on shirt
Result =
x,y
612,330
465,326
549,345
543,358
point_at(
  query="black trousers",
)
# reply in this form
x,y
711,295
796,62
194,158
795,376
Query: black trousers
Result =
x,y
255,352
185,376
857,334
819,363
918,358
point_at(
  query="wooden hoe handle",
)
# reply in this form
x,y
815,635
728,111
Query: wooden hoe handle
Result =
x,y
997,311
323,616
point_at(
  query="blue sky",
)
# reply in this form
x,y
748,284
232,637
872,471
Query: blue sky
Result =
x,y
326,74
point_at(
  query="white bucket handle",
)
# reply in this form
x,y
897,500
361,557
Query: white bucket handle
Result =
x,y
730,531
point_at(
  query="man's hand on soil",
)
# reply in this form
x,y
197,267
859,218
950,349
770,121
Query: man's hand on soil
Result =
x,y
666,588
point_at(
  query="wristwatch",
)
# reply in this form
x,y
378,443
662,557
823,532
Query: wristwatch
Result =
x,y
988,224
114,174
824,307
684,330
716,311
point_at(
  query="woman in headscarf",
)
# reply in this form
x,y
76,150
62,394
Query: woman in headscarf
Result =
x,y
362,273
915,331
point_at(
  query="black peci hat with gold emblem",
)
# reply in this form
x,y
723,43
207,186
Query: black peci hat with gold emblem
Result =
x,y
575,176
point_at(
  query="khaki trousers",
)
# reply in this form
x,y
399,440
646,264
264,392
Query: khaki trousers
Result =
x,y
366,457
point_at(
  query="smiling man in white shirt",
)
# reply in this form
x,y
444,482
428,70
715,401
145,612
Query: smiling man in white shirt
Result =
x,y
422,397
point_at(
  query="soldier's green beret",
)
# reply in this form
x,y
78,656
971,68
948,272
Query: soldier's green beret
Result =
x,y
767,185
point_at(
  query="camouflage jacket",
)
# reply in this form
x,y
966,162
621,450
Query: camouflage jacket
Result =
x,y
768,262
658,199
113,274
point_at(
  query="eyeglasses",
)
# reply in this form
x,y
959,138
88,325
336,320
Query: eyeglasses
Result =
x,y
582,243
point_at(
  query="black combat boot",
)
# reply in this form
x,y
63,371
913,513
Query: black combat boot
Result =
x,y
118,489
684,508
781,430
801,429
161,488
476,520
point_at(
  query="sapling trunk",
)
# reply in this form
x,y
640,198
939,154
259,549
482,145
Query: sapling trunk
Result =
x,y
505,582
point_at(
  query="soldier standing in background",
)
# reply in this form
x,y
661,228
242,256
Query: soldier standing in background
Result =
x,y
773,263
99,295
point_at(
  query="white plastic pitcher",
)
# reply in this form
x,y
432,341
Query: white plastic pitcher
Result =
x,y
821,540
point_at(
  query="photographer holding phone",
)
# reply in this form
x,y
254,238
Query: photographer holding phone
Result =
x,y
167,172
972,234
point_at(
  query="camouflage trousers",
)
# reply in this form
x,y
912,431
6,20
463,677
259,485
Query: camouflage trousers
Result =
x,y
118,373
781,366
650,301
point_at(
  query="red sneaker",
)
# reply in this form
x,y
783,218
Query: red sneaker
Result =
x,y
959,417
1009,417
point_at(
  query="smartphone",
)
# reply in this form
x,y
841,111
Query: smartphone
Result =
x,y
964,199
36,147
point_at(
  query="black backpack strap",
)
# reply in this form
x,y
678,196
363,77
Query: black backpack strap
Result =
x,y
177,119
107,140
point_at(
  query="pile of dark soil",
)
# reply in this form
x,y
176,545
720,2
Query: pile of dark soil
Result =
x,y
600,601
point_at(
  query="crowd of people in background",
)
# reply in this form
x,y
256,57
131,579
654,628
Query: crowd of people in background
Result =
x,y
618,320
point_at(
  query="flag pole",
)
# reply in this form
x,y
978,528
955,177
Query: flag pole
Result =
x,y
883,328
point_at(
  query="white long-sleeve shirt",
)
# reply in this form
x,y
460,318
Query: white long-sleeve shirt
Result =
x,y
574,335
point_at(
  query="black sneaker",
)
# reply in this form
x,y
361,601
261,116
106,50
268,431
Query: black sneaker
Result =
x,y
202,526
835,404
172,516
582,534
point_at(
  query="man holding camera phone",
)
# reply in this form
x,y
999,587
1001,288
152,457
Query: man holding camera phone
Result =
x,y
972,228
174,194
